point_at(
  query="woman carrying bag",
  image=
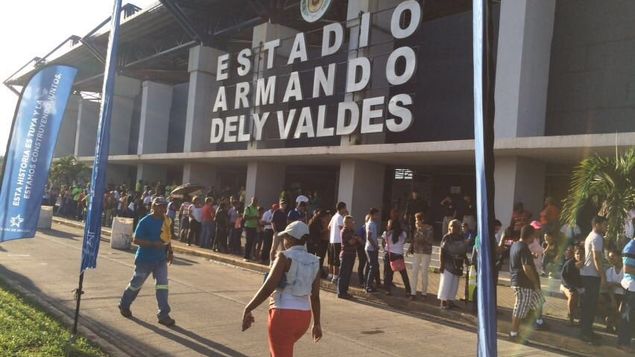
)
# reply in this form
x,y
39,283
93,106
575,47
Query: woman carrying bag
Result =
x,y
394,239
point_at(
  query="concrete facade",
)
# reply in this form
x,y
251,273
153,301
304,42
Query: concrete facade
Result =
x,y
562,68
265,181
68,132
361,187
87,121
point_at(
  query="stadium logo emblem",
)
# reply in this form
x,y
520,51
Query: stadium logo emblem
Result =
x,y
313,10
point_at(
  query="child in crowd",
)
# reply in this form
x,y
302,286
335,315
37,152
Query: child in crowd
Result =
x,y
350,242
551,261
614,291
571,285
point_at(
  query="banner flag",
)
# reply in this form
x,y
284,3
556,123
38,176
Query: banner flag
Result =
x,y
484,160
37,121
92,228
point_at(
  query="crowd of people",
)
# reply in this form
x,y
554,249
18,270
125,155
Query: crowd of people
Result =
x,y
596,280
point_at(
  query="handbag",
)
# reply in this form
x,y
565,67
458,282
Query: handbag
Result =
x,y
398,264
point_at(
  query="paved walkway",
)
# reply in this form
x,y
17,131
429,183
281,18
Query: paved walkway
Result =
x,y
207,300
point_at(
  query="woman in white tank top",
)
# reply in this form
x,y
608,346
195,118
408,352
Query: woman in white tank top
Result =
x,y
293,286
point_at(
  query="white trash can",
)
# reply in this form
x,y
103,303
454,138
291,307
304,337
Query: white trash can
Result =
x,y
121,236
46,217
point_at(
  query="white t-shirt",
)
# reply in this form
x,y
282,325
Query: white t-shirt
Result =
x,y
613,277
336,224
267,217
592,242
394,248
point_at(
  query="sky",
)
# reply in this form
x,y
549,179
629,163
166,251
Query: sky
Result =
x,y
30,28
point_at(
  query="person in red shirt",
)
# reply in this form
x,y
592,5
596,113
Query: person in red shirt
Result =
x,y
550,216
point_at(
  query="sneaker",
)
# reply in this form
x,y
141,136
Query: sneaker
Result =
x,y
345,296
540,327
329,277
125,312
167,321
335,279
513,338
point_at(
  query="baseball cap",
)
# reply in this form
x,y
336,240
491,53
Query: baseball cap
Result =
x,y
296,230
159,200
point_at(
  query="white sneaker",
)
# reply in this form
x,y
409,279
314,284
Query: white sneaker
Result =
x,y
335,279
329,277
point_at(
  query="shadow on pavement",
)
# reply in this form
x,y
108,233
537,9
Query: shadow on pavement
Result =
x,y
59,234
202,344
2,249
134,347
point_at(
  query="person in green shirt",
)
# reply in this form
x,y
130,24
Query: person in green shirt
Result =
x,y
250,215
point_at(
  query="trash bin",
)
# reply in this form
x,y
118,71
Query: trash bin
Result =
x,y
121,236
46,217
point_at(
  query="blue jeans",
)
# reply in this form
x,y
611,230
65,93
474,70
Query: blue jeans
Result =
x,y
207,234
159,271
627,319
589,304
373,269
346,270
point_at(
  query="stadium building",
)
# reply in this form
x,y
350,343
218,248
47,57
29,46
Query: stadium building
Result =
x,y
362,101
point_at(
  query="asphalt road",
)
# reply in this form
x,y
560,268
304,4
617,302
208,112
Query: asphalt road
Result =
x,y
207,300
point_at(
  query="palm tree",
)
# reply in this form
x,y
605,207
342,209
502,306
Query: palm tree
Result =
x,y
608,182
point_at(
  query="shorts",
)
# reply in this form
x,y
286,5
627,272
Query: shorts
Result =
x,y
526,300
334,254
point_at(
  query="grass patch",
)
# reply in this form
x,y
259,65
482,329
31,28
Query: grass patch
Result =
x,y
26,330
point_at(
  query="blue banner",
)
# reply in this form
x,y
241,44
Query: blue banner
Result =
x,y
92,228
37,122
484,162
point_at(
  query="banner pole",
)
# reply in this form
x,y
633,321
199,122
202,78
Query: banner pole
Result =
x,y
92,227
484,165
78,297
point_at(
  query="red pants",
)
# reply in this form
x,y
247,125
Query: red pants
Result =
x,y
286,327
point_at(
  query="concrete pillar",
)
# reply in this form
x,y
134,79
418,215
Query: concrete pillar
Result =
x,y
202,68
151,173
200,174
66,139
518,180
361,187
522,67
156,102
119,174
126,89
87,120
264,181
261,34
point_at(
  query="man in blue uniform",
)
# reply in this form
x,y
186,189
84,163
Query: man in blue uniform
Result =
x,y
153,235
